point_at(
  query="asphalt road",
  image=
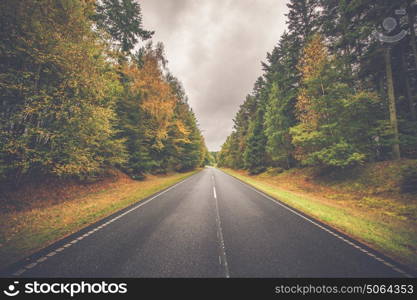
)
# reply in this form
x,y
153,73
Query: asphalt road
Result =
x,y
210,225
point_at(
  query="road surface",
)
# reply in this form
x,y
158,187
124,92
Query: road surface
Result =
x,y
210,225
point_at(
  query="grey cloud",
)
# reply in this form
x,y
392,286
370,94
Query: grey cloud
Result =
x,y
215,48
169,12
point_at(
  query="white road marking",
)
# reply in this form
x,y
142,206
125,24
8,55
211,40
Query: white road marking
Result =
x,y
325,229
19,272
30,266
222,256
42,259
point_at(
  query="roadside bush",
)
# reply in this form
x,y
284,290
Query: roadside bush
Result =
x,y
256,170
274,171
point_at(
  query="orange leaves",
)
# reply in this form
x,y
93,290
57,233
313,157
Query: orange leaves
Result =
x,y
305,112
162,131
312,64
156,96
314,58
182,128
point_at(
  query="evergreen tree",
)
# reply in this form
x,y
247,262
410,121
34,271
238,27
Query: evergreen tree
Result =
x,y
159,127
56,93
302,19
75,101
330,101
122,20
241,125
254,156
336,126
278,121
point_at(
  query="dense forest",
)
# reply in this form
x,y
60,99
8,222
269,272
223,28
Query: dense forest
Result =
x,y
338,90
81,92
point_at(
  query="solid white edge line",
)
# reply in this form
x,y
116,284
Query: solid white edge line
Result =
x,y
35,263
30,266
19,272
42,259
381,260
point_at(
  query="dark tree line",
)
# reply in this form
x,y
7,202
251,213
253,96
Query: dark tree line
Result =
x,y
339,89
76,98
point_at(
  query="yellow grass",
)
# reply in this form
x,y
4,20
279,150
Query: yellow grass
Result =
x,y
385,224
23,232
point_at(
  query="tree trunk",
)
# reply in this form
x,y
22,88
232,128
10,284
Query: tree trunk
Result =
x,y
381,85
411,21
392,105
406,79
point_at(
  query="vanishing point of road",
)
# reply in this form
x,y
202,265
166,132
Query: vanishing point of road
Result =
x,y
209,225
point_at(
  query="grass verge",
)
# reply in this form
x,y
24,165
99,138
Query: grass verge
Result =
x,y
25,231
376,222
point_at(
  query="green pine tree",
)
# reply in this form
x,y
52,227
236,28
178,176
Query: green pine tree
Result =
x,y
254,155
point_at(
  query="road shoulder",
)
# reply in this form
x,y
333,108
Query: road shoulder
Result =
x,y
24,233
371,230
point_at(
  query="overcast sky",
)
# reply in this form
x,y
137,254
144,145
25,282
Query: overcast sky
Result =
x,y
215,48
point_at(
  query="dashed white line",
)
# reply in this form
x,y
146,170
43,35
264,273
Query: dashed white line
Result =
x,y
327,230
222,248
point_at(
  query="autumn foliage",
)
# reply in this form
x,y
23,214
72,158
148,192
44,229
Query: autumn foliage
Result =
x,y
74,102
332,94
